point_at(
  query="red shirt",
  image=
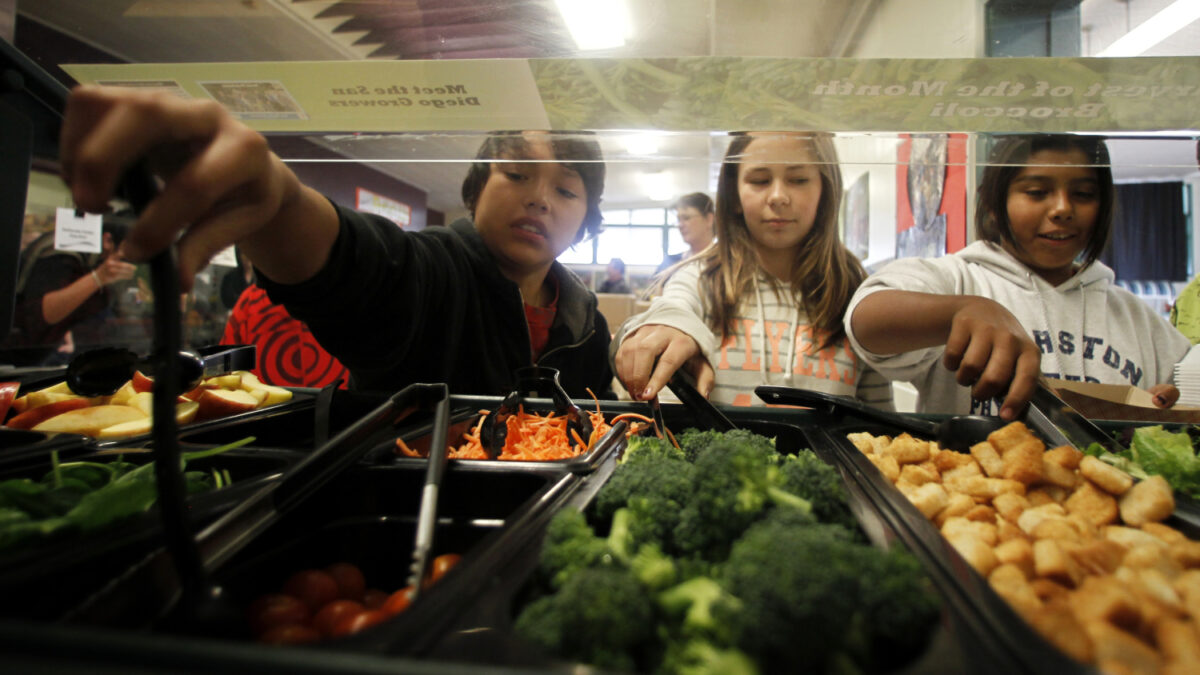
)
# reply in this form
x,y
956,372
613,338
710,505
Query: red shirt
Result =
x,y
540,319
288,354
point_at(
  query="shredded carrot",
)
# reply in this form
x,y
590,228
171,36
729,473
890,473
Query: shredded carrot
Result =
x,y
405,450
632,416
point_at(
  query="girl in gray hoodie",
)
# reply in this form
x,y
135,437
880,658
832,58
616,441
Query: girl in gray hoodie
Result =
x,y
1029,298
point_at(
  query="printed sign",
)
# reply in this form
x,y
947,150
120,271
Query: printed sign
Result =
x,y
77,231
370,202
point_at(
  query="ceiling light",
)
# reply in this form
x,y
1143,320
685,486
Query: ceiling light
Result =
x,y
1154,30
641,145
657,185
596,24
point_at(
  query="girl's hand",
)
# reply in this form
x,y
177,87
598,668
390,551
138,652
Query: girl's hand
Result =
x,y
1165,395
114,269
650,355
990,352
222,184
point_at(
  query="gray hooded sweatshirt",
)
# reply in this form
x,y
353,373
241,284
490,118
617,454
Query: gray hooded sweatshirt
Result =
x,y
1087,328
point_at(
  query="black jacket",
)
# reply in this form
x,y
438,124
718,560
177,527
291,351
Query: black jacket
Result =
x,y
398,307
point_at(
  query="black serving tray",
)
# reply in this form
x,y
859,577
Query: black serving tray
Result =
x,y
43,579
993,613
482,633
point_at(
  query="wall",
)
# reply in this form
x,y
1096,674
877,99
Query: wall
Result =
x,y
338,179
922,29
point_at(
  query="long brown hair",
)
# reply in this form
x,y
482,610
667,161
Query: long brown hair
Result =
x,y
825,273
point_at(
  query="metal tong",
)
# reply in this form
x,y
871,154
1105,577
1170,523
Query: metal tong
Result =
x,y
532,382
427,517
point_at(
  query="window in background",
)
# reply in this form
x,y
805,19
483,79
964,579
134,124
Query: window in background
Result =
x,y
634,245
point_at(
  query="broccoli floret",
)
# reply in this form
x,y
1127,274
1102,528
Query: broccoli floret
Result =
x,y
649,448
600,616
654,488
805,475
897,609
799,587
695,442
653,568
700,657
570,545
733,485
697,602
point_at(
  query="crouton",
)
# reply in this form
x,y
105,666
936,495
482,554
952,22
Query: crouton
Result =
x,y
1009,435
1009,582
1018,553
948,460
1187,585
975,551
907,450
864,441
1108,478
929,498
1059,529
1031,517
1130,537
1094,504
1050,591
1101,556
1010,505
961,473
1151,500
1150,556
1103,598
1051,562
887,465
1059,626
989,488
1065,456
1179,642
981,513
1054,474
1023,461
989,460
1007,530
1185,553
959,525
1039,497
1165,532
1116,649
958,504
919,474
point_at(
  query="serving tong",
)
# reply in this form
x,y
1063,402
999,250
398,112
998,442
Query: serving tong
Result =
x,y
102,371
532,382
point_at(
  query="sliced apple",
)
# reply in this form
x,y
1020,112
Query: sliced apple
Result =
x,y
142,382
8,392
142,400
227,381
89,421
184,412
60,388
124,394
35,416
259,395
216,403
274,394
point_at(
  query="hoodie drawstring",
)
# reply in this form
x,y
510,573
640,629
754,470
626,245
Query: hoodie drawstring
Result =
x,y
789,367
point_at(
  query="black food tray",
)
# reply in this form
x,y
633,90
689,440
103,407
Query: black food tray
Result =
x,y
42,579
482,633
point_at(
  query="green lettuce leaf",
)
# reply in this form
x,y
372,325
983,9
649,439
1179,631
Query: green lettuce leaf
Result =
x,y
1169,454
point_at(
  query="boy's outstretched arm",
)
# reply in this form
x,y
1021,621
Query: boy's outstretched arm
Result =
x,y
986,346
222,184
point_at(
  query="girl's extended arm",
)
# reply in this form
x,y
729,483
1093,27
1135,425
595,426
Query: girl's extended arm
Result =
x,y
222,184
650,355
985,344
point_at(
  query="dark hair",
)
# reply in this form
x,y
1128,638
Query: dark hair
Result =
x,y
1010,156
117,224
575,145
696,200
825,273
619,264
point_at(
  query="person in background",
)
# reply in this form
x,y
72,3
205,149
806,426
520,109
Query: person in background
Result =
x,y
764,304
63,297
695,214
466,304
288,354
614,281
1030,298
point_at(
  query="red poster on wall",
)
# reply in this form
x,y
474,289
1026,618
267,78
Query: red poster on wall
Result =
x,y
931,195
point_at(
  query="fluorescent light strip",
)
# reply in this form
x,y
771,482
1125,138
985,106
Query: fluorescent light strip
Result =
x,y
595,24
1154,30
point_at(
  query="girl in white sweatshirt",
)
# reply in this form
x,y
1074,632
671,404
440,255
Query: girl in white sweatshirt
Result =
x,y
764,304
1030,297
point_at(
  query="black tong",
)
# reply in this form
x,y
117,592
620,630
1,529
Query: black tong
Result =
x,y
532,382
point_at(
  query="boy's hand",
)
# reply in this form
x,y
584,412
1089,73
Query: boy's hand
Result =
x,y
114,269
1165,395
990,352
650,355
222,183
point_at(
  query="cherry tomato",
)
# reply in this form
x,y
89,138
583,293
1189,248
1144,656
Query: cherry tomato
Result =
x,y
354,623
374,598
442,564
398,602
276,609
315,588
350,581
331,614
290,634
